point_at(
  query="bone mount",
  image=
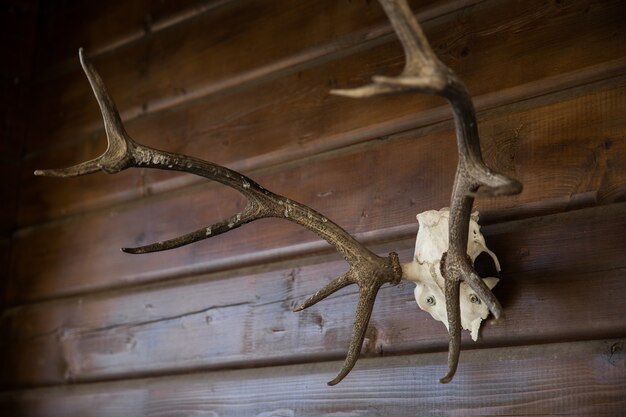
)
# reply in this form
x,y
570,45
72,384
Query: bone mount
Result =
x,y
425,269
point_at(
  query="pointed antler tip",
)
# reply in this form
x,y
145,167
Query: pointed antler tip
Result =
x,y
346,92
81,55
446,379
369,90
337,379
298,308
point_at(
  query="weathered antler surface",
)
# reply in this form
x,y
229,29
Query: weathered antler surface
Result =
x,y
423,72
367,270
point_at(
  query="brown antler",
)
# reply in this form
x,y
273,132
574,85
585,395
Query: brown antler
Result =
x,y
423,72
367,270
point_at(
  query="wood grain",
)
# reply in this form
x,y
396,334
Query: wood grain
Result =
x,y
100,27
573,379
246,84
239,41
296,117
565,265
567,149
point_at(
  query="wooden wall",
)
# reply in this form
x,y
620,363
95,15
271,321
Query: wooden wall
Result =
x,y
207,330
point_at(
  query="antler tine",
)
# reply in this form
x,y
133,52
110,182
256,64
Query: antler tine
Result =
x,y
367,297
369,279
328,290
367,270
424,72
247,215
422,69
453,310
117,155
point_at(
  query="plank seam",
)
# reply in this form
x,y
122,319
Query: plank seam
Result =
x,y
300,360
438,117
346,45
394,241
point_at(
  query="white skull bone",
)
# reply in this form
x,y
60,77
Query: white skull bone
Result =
x,y
430,245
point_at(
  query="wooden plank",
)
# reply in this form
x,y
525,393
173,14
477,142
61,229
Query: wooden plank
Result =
x,y
576,379
9,186
567,149
5,247
104,26
245,319
237,42
297,117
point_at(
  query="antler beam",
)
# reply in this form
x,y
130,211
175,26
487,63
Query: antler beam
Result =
x,y
424,72
367,270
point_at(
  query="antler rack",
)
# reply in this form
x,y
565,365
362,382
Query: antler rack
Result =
x,y
423,72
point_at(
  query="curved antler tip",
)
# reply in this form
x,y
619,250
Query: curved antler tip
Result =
x,y
81,55
87,167
509,186
446,379
133,251
513,187
298,308
337,379
139,250
359,92
495,308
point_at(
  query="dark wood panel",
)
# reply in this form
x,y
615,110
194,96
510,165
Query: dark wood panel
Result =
x,y
5,247
17,35
576,379
296,117
238,42
568,265
567,149
103,26
9,185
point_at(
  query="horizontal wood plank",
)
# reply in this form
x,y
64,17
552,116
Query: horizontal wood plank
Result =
x,y
103,26
575,379
209,329
569,265
567,149
237,42
297,118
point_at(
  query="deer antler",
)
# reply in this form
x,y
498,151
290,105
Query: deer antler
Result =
x,y
424,72
367,270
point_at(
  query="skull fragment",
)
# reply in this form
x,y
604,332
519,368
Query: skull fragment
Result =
x,y
430,245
